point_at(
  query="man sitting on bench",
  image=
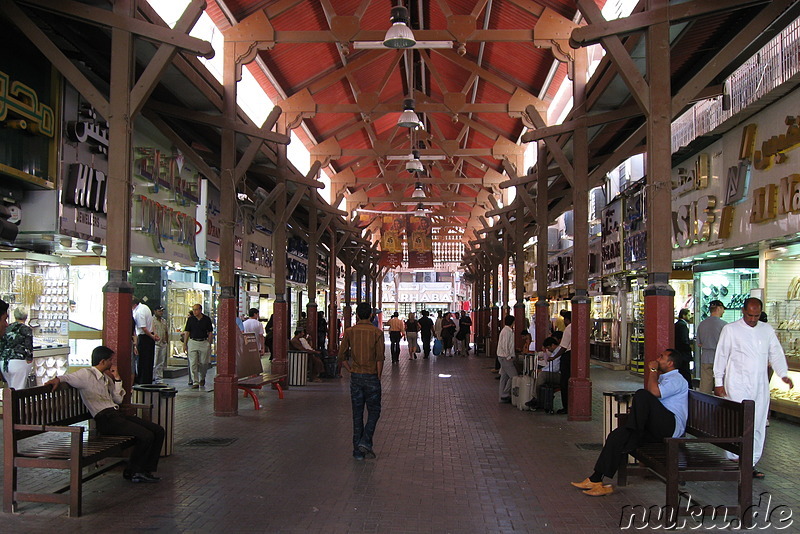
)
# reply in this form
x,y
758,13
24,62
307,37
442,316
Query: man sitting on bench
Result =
x,y
100,387
659,411
300,343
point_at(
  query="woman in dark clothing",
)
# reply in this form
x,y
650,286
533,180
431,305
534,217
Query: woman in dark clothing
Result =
x,y
448,331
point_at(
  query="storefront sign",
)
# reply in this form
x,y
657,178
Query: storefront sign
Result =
x,y
20,108
85,187
90,129
611,238
163,170
163,224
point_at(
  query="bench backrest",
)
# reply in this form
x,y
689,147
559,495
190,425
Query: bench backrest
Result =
x,y
40,406
715,417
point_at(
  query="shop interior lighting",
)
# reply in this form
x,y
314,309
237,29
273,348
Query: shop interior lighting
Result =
x,y
399,35
408,118
739,248
415,165
724,253
444,376
418,191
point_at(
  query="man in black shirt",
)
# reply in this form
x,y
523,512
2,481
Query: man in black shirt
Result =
x,y
426,330
197,342
683,344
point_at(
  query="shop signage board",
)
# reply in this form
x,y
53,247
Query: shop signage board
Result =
x,y
165,196
84,177
28,113
611,238
744,188
634,243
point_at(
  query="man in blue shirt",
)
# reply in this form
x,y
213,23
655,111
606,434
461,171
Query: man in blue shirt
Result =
x,y
659,411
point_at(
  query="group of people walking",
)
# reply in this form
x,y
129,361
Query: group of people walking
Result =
x,y
451,329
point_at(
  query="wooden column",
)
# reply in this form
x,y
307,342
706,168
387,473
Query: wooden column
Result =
x,y
333,310
658,295
311,283
347,312
580,387
542,218
505,285
519,267
280,324
117,293
494,312
226,400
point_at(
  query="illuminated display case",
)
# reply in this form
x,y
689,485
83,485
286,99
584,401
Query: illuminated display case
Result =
x,y
783,313
783,399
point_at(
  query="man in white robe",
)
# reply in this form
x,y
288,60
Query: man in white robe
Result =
x,y
744,350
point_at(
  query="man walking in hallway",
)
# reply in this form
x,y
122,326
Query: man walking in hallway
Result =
x,y
397,331
362,353
505,355
426,331
745,348
197,342
708,332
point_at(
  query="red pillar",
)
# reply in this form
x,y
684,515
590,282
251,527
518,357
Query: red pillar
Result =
x,y
348,316
118,325
658,319
580,387
226,400
542,320
494,331
280,342
311,323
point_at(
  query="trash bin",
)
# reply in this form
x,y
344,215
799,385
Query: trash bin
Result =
x,y
162,398
614,402
298,367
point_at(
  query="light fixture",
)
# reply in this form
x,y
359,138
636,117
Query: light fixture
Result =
x,y
420,210
408,118
414,164
418,191
399,35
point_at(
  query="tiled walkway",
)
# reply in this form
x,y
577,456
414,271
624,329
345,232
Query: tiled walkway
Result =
x,y
450,459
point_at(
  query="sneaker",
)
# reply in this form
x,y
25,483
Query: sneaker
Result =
x,y
505,400
562,411
358,455
202,383
195,386
151,475
368,453
533,403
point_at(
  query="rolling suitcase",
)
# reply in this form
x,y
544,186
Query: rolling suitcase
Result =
x,y
525,392
546,395
515,390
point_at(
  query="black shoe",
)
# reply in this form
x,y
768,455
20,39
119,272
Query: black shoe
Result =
x,y
137,478
369,454
151,475
425,357
505,400
358,455
533,403
562,411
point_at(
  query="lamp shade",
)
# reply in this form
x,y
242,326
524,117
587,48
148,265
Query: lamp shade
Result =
x,y
414,165
399,35
418,191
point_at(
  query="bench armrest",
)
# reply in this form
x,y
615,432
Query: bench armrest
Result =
x,y
678,441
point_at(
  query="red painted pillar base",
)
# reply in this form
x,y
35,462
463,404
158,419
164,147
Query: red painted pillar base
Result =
x,y
659,319
118,325
580,387
226,399
348,316
519,326
542,320
333,330
311,323
280,341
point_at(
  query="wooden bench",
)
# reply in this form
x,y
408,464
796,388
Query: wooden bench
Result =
x,y
249,383
39,432
716,425
249,370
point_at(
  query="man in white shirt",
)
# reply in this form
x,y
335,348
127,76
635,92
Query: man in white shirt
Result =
x,y
505,355
744,350
100,387
254,326
564,352
549,372
145,341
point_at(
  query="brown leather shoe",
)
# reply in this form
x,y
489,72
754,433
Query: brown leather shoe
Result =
x,y
600,490
586,484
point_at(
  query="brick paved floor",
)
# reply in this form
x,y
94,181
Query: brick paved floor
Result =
x,y
450,459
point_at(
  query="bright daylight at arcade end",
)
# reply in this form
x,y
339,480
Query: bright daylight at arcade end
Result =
x,y
361,266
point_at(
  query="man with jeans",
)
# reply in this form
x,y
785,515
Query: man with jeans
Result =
x,y
361,353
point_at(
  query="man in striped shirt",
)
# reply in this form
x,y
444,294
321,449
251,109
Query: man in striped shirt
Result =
x,y
362,353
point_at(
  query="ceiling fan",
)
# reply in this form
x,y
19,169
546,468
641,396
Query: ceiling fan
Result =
x,y
399,35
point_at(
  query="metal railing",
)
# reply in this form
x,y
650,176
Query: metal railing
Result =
x,y
773,65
